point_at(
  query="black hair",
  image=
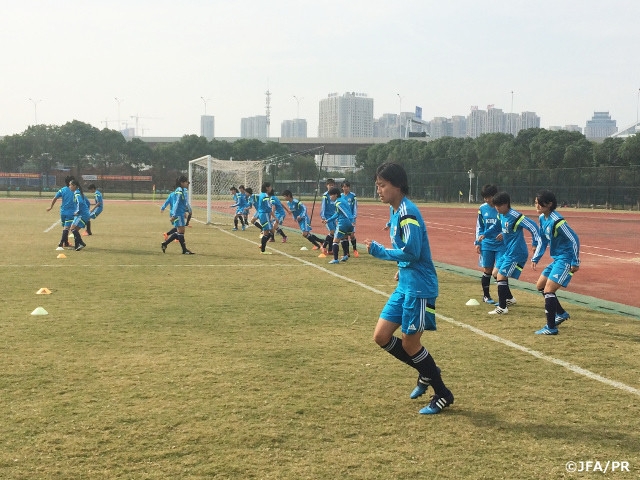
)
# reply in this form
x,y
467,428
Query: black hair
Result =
x,y
67,179
233,189
249,190
241,187
75,182
488,190
501,198
334,191
287,193
265,187
330,180
346,183
545,198
394,174
92,186
180,179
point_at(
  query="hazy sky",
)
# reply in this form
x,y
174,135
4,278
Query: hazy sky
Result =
x,y
562,59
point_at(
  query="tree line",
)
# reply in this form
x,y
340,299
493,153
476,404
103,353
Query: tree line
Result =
x,y
439,169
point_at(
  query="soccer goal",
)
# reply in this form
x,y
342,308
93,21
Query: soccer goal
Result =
x,y
212,178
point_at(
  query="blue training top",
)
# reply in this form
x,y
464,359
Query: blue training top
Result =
x,y
487,217
67,207
565,244
410,248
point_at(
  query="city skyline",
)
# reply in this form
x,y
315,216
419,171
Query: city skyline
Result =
x,y
158,68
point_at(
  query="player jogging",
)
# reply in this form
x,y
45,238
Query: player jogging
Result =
x,y
564,248
491,248
411,307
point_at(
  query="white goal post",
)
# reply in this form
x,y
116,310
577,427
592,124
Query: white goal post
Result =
x,y
211,179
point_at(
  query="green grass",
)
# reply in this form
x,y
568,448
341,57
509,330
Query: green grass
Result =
x,y
229,364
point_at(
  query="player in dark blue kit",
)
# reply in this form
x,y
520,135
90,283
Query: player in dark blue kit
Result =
x,y
67,208
180,207
492,247
343,220
411,306
564,248
512,223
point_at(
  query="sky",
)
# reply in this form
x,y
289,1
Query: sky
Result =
x,y
159,65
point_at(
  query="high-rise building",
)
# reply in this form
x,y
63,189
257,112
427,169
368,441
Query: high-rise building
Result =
x,y
207,123
495,120
254,127
386,126
296,128
441,127
458,126
528,120
476,121
511,123
346,116
600,126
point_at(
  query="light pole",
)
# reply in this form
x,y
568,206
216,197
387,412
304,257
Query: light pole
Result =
x,y
35,110
400,117
298,100
119,101
205,104
471,177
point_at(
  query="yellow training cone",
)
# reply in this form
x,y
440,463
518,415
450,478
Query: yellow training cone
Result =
x,y
43,291
61,255
39,311
472,302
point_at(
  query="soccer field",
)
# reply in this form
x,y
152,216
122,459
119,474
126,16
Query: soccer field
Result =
x,y
230,364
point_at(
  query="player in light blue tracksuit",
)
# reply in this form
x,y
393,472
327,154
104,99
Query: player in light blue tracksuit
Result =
x,y
67,208
180,207
327,209
299,214
81,214
265,210
351,199
97,207
492,246
411,306
564,248
512,223
240,204
343,219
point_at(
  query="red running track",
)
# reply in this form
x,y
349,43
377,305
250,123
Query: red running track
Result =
x,y
609,245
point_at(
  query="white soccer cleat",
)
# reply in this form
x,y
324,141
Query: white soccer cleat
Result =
x,y
499,311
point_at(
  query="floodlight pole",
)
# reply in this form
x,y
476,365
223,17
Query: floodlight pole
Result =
x,y
471,177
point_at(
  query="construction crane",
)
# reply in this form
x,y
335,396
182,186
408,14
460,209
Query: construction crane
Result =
x,y
138,117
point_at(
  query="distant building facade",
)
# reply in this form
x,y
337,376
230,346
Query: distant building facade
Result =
x,y
254,127
344,116
296,128
207,126
600,126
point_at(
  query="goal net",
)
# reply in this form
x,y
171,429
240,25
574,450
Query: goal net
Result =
x,y
212,178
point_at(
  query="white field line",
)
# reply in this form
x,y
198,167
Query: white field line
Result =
x,y
489,336
52,227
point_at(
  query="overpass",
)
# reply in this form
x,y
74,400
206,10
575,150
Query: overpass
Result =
x,y
332,146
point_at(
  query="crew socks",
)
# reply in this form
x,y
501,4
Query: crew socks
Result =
x,y
336,248
503,293
426,366
394,347
354,244
486,281
551,308
345,247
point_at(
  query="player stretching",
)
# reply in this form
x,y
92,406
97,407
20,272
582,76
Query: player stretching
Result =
x,y
344,225
299,213
564,248
516,253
